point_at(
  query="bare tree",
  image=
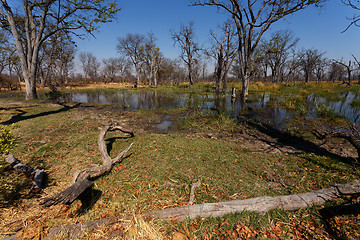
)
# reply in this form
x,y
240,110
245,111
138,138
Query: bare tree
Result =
x,y
357,68
8,58
42,19
224,50
292,67
4,50
185,39
113,67
277,51
90,65
152,58
336,72
171,71
308,60
56,57
349,69
320,69
65,58
132,47
252,19
355,4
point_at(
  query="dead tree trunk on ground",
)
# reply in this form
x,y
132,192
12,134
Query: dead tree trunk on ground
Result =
x,y
36,174
81,178
353,138
259,204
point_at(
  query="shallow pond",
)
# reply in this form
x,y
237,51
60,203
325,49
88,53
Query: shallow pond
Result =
x,y
257,107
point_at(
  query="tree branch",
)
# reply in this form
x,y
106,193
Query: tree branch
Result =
x,y
81,178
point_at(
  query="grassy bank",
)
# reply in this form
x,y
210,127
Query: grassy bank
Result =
x,y
226,155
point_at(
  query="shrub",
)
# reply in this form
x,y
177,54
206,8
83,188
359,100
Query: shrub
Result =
x,y
7,139
324,111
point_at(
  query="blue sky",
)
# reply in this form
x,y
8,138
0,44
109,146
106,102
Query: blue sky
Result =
x,y
316,28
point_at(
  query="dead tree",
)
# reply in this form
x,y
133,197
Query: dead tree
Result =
x,y
349,70
185,39
81,179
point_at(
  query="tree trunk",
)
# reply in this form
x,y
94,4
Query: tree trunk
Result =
x,y
30,87
155,79
190,77
259,204
245,87
218,80
138,82
224,82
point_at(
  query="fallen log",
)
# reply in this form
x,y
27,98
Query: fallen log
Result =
x,y
259,204
219,209
37,175
352,137
68,195
81,179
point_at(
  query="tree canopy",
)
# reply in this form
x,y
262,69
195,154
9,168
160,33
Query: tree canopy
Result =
x,y
39,20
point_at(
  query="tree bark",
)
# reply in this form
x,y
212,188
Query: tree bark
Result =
x,y
245,88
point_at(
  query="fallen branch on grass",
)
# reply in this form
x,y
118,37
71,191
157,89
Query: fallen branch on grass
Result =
x,y
259,204
37,175
81,178
194,186
352,137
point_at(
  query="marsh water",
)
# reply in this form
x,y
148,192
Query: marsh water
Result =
x,y
260,106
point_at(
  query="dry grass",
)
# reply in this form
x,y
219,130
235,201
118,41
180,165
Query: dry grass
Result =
x,y
101,85
65,141
139,229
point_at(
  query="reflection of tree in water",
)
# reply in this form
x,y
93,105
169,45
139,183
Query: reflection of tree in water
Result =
x,y
154,100
94,97
257,108
342,107
220,103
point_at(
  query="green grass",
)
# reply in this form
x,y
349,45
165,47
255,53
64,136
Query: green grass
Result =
x,y
204,146
356,104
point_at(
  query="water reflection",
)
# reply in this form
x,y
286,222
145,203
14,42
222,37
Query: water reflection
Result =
x,y
341,107
257,106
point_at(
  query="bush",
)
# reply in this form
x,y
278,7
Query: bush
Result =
x,y
7,139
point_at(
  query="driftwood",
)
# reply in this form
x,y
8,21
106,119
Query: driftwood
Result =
x,y
81,178
259,204
37,175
